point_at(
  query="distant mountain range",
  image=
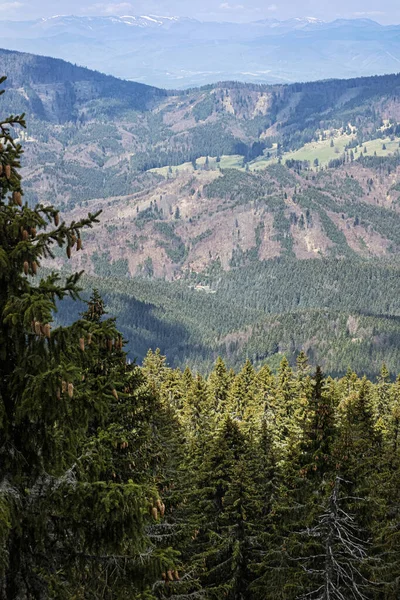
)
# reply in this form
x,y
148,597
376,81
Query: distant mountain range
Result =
x,y
176,52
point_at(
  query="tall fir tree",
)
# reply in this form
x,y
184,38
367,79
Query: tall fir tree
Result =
x,y
75,510
225,511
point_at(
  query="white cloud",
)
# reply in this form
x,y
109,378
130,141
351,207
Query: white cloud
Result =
x,y
10,6
227,6
272,7
109,8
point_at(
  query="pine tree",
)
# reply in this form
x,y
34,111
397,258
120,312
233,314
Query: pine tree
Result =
x,y
241,391
319,431
287,405
226,512
359,437
359,454
298,484
386,525
383,398
74,509
218,385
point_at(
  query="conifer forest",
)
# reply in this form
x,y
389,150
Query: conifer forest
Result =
x,y
240,480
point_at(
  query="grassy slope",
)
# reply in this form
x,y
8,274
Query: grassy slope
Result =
x,y
321,150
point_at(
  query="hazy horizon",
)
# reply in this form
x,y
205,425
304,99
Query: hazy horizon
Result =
x,y
211,10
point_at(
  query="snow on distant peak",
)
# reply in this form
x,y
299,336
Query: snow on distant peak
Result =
x,y
141,21
149,18
158,19
293,23
311,20
44,19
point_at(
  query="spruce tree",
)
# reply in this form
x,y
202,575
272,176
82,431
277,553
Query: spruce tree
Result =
x,y
75,509
225,511
241,392
218,385
386,525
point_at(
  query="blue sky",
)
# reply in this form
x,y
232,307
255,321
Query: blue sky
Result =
x,y
384,11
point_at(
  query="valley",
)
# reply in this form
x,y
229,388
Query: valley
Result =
x,y
230,182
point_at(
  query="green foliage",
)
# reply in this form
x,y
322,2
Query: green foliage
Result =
x,y
173,246
263,310
204,109
282,496
79,466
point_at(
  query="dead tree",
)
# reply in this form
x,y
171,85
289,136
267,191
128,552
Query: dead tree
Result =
x,y
336,566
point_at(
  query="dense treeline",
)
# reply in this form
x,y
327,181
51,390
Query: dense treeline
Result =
x,y
288,488
262,311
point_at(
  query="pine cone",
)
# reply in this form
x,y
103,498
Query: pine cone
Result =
x,y
34,267
176,575
70,390
47,330
33,231
17,199
79,244
170,575
56,220
7,171
115,394
64,386
26,267
38,328
154,513
25,235
69,251
82,344
89,339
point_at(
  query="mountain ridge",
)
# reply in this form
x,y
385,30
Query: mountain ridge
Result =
x,y
179,52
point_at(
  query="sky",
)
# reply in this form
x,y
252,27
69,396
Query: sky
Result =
x,y
384,11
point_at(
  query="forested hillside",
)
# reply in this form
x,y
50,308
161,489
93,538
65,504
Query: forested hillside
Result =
x,y
255,202
54,90
277,308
